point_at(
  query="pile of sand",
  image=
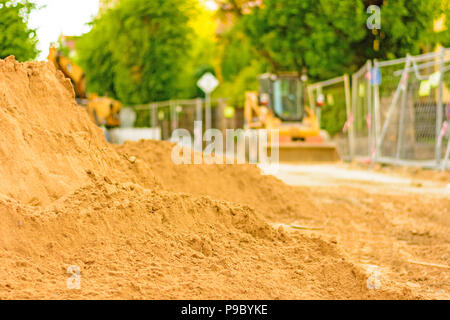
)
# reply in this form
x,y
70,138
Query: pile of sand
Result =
x,y
236,183
134,243
67,198
48,142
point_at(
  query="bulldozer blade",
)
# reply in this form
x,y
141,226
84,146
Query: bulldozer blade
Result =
x,y
297,152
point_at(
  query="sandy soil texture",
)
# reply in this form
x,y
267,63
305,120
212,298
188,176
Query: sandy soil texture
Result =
x,y
398,223
139,227
402,226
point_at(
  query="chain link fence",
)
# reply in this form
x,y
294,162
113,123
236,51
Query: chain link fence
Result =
x,y
331,100
168,116
386,95
413,130
361,116
395,111
400,110
445,131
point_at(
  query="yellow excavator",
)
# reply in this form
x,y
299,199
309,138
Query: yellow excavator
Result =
x,y
103,111
279,105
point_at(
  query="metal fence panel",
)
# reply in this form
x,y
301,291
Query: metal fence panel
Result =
x,y
335,99
396,111
181,114
413,122
401,110
388,97
361,112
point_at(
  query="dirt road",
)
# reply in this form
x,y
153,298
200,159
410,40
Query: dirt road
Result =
x,y
399,223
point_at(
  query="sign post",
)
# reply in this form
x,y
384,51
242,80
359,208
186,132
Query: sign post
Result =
x,y
208,83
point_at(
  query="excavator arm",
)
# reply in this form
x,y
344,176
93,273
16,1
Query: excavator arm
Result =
x,y
70,70
102,110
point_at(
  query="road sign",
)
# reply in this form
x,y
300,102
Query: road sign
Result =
x,y
208,83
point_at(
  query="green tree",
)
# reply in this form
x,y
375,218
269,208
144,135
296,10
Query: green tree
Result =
x,y
237,7
202,55
240,66
136,51
15,37
330,37
245,80
237,52
314,34
406,27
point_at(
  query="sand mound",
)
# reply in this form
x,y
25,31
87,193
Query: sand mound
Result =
x,y
67,198
133,243
48,142
236,183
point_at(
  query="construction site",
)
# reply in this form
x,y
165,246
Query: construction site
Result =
x,y
354,205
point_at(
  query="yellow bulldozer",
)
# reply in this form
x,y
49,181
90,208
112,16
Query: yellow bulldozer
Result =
x,y
279,105
103,111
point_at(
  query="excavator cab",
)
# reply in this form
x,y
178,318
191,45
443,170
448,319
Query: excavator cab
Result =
x,y
283,94
279,105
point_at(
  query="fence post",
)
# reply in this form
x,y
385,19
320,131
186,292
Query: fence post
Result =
x,y
401,126
173,114
220,119
394,101
354,107
208,113
446,157
439,111
377,112
199,110
154,113
348,107
370,110
311,99
319,108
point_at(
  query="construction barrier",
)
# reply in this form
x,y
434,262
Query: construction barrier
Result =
x,y
175,114
394,112
331,100
399,112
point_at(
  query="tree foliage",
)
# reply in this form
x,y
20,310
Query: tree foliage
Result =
x,y
314,34
330,37
16,38
407,26
202,56
136,51
239,66
143,51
